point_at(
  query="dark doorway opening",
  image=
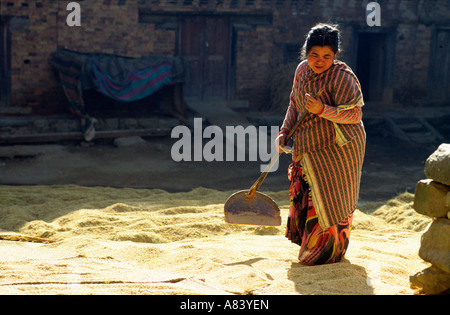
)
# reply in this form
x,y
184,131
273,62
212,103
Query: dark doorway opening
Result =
x,y
371,65
439,75
4,63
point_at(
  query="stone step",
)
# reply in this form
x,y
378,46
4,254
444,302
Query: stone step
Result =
x,y
414,129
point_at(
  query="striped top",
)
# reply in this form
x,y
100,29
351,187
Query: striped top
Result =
x,y
342,98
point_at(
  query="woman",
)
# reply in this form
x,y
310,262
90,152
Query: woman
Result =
x,y
328,150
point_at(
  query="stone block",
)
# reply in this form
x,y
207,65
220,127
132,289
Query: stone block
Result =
x,y
111,124
128,141
432,198
431,281
148,122
435,244
437,166
168,123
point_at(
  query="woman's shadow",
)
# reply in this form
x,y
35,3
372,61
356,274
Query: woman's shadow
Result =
x,y
338,278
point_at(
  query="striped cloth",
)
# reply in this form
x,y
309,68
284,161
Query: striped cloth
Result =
x,y
332,145
317,246
137,84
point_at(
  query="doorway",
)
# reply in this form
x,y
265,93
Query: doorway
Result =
x,y
4,64
439,75
205,41
371,65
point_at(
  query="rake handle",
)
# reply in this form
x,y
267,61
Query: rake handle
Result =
x,y
254,188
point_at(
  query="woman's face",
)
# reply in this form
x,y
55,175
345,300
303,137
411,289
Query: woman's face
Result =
x,y
320,58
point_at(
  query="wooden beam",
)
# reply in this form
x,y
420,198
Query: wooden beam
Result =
x,y
59,136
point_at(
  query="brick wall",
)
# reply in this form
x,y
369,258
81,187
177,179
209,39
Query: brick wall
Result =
x,y
114,26
33,37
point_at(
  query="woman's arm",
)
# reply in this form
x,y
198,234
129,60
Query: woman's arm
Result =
x,y
348,99
342,116
291,112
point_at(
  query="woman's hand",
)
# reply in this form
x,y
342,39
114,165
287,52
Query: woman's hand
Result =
x,y
280,140
314,106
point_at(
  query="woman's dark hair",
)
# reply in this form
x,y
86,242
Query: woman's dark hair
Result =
x,y
322,35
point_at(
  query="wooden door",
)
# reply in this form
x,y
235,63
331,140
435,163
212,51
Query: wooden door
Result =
x,y
205,42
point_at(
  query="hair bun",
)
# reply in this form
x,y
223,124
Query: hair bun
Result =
x,y
322,35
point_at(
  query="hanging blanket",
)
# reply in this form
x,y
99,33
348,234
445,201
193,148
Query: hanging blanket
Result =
x,y
120,78
137,85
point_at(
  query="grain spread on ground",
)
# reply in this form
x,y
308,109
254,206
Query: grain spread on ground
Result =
x,y
136,241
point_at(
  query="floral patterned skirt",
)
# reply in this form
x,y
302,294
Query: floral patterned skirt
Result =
x,y
317,246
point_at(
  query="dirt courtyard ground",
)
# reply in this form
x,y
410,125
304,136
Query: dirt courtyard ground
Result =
x,y
391,166
106,238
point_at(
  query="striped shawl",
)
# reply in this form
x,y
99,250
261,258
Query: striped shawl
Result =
x,y
331,145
